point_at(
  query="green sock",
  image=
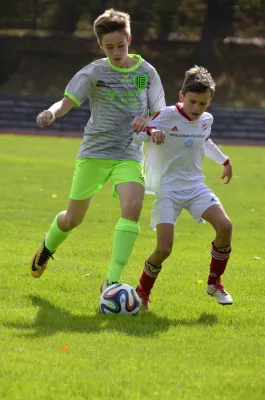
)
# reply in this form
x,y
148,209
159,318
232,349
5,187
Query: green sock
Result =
x,y
125,235
55,236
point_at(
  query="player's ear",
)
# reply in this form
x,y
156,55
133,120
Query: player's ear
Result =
x,y
181,96
129,40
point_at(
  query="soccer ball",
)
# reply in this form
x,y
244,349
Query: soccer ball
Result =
x,y
119,298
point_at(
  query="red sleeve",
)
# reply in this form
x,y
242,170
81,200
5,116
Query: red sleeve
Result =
x,y
148,129
156,115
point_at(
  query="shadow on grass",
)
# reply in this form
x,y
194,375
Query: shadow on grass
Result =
x,y
51,319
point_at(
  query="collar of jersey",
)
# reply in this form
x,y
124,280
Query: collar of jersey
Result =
x,y
180,109
139,62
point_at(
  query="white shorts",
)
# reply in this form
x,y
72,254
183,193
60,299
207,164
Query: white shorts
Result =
x,y
168,205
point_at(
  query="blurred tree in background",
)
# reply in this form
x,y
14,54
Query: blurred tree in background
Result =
x,y
204,19
218,23
40,34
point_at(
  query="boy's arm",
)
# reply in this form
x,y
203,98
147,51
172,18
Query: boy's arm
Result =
x,y
143,134
212,151
57,110
76,93
141,123
156,94
157,136
156,102
140,137
62,107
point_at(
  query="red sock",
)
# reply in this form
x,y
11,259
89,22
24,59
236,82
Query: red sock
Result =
x,y
220,257
148,277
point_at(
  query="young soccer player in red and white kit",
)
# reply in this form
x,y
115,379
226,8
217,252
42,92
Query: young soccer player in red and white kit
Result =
x,y
174,174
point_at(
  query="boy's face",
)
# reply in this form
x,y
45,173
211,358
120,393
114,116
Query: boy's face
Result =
x,y
115,46
194,104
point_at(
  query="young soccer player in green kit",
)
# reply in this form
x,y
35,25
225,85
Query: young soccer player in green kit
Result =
x,y
123,90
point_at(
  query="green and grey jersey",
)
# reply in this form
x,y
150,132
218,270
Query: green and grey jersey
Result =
x,y
116,96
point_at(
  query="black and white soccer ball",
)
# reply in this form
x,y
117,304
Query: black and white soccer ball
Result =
x,y
119,298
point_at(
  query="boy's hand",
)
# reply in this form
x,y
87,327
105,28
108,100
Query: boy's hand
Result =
x,y
227,173
158,136
140,123
45,118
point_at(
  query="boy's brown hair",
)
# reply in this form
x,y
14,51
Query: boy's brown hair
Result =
x,y
199,80
112,21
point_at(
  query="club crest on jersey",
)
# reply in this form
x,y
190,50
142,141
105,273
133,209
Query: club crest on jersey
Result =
x,y
140,81
111,95
174,129
188,143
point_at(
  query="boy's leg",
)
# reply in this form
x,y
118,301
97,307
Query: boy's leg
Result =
x,y
153,265
89,177
65,222
60,229
128,185
204,204
127,228
221,251
165,212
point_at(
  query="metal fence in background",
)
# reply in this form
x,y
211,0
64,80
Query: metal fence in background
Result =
x,y
242,125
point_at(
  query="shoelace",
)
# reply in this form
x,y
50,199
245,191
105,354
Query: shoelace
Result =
x,y
221,289
45,255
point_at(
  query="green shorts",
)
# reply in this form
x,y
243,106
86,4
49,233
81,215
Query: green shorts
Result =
x,y
91,174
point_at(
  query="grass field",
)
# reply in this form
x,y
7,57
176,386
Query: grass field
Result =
x,y
54,344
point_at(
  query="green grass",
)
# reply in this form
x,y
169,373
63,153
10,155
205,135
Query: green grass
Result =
x,y
187,347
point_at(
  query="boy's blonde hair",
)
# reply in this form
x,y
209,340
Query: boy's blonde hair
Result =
x,y
199,80
112,21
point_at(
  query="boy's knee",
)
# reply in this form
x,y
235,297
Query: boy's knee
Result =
x,y
72,221
132,209
225,228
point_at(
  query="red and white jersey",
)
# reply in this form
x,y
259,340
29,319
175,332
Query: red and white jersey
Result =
x,y
177,164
